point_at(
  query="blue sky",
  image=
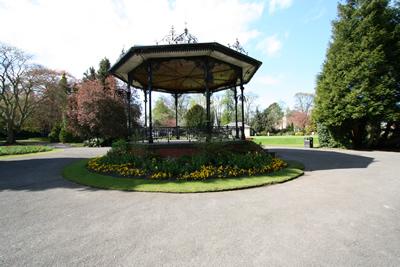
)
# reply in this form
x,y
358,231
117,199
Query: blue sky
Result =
x,y
290,37
304,31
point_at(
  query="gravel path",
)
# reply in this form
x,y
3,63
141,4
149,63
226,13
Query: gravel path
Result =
x,y
344,211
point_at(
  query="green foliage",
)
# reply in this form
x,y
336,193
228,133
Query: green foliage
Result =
x,y
162,114
238,155
102,72
267,120
64,86
66,136
16,150
358,89
89,75
54,135
228,102
258,121
272,116
325,137
120,146
196,117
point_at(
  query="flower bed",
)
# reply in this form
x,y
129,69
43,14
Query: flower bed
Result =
x,y
213,161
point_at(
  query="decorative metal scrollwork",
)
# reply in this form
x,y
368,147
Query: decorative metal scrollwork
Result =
x,y
183,38
238,47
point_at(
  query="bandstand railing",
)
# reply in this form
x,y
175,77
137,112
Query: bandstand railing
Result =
x,y
188,134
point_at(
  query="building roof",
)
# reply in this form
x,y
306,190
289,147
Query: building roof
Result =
x,y
180,68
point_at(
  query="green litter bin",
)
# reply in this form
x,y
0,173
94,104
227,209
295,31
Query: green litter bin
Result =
x,y
308,142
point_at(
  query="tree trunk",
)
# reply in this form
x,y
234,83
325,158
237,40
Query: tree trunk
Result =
x,y
10,135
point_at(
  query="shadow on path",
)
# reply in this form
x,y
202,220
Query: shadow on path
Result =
x,y
35,174
323,160
43,174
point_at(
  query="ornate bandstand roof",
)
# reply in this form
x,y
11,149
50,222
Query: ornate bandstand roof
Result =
x,y
181,67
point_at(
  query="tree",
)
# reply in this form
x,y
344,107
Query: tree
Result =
x,y
63,84
102,72
358,91
217,108
249,106
303,102
90,74
196,117
300,117
162,114
272,117
21,88
51,108
228,103
183,105
258,121
96,112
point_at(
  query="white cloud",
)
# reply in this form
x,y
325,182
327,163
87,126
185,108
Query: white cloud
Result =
x,y
270,45
73,35
274,5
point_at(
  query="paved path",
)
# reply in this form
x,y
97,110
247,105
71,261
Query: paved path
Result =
x,y
345,211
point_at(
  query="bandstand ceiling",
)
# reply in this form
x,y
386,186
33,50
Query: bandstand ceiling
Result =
x,y
180,68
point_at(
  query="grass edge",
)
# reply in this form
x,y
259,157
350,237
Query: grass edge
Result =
x,y
287,174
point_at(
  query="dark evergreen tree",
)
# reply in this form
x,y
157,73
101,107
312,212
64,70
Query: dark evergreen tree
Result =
x,y
358,91
102,72
89,75
258,121
63,85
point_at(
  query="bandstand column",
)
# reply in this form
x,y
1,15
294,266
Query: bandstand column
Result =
x,y
150,85
236,114
242,97
145,108
206,81
128,96
176,96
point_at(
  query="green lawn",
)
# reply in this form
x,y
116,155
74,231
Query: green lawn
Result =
x,y
78,173
291,140
18,150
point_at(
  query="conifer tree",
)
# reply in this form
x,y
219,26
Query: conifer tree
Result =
x,y
358,90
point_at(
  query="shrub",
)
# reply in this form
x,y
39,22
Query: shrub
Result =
x,y
326,138
66,136
214,160
55,133
120,146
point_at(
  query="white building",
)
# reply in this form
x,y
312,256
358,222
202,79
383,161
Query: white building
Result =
x,y
247,128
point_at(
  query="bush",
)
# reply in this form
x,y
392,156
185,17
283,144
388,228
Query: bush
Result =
x,y
66,136
325,137
54,135
120,146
